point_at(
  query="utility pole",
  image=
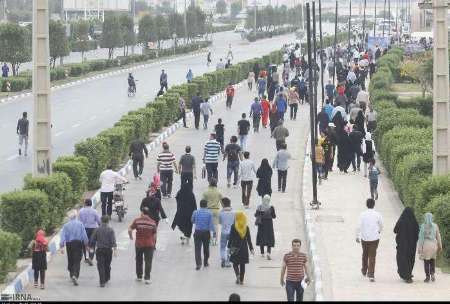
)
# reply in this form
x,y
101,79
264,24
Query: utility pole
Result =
x,y
41,91
389,11
335,42
364,25
133,15
256,8
349,27
375,19
312,66
321,50
441,95
384,16
314,203
396,23
185,23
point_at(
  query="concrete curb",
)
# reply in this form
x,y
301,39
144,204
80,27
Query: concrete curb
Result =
x,y
104,75
26,276
309,226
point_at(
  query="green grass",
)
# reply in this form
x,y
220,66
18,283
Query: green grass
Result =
x,y
444,264
406,87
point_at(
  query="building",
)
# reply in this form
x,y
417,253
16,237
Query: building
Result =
x,y
76,9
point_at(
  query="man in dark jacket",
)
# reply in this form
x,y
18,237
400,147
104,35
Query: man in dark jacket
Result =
x,y
22,131
195,104
163,81
356,138
137,150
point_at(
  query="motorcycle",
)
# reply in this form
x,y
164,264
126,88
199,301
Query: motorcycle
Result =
x,y
119,206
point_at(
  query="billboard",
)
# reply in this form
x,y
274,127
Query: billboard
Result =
x,y
383,42
90,5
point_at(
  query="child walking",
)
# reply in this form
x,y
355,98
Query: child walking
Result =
x,y
373,179
39,258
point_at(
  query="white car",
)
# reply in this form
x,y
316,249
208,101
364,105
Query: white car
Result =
x,y
239,28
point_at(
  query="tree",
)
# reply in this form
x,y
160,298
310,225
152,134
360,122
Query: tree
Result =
x,y
59,44
111,35
80,34
146,30
127,29
221,7
15,45
162,31
235,8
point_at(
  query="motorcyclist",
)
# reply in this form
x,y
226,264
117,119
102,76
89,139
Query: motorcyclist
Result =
x,y
131,83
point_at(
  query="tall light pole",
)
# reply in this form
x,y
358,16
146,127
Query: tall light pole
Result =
x,y
375,19
41,91
185,23
256,8
364,25
133,15
441,95
384,16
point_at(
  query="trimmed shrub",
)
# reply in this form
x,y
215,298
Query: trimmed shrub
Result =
x,y
423,105
212,82
76,168
202,83
160,108
192,90
377,95
117,145
97,152
440,207
23,212
172,105
17,84
138,121
97,65
429,189
58,188
9,252
78,69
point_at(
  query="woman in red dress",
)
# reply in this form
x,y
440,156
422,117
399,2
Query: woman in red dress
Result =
x,y
265,104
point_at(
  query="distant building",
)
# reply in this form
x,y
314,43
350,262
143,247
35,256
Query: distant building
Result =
x,y
76,9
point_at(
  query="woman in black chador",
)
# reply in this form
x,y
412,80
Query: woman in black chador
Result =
x,y
186,205
407,230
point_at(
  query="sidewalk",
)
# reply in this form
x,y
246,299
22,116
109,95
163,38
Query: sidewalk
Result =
x,y
343,198
174,276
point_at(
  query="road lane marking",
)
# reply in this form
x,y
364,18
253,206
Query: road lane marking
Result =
x,y
75,125
59,133
12,157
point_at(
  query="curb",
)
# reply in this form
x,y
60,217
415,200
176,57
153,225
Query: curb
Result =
x,y
309,227
26,276
104,75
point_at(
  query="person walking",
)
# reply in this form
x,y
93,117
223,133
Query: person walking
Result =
x,y
293,103
239,244
206,109
279,134
247,171
104,239
182,107
294,267
273,117
196,101
229,91
303,91
407,234
163,81
213,197
146,232
22,130
368,233
256,112
5,70
226,219
186,205
39,247
265,104
330,91
262,82
233,154
91,220
136,153
166,163
265,213
281,104
211,154
155,209
219,128
281,163
264,175
429,245
243,128
108,180
368,151
189,76
320,160
186,167
373,179
371,119
203,221
250,79
73,236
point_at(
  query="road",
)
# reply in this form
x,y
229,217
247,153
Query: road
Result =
x,y
173,272
86,109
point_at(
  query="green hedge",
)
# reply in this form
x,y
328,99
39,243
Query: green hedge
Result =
x,y
17,84
10,244
76,168
440,207
24,212
424,105
77,46
97,152
57,73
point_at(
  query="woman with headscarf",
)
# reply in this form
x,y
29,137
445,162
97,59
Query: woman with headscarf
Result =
x,y
429,245
39,257
407,234
264,175
265,213
238,244
359,123
154,189
186,205
265,104
368,150
273,116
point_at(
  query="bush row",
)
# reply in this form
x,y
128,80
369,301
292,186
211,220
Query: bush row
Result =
x,y
269,34
405,139
24,82
223,28
9,251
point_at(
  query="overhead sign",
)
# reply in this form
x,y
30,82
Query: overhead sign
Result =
x,y
382,42
107,5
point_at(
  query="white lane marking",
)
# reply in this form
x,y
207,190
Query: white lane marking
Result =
x,y
75,125
92,117
59,133
12,157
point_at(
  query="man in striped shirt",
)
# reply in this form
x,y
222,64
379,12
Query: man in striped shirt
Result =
x,y
166,164
211,156
295,263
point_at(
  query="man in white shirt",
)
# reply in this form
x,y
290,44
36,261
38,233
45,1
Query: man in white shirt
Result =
x,y
368,233
109,179
247,171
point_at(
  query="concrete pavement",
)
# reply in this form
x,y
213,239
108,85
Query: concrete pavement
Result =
x,y
174,276
85,110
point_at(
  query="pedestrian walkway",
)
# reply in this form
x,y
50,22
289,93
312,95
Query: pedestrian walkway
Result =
x,y
343,198
173,275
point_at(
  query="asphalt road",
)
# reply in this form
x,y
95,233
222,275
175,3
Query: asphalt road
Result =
x,y
86,109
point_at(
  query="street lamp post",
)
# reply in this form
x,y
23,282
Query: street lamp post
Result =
x,y
321,51
375,19
41,91
174,36
335,42
441,94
